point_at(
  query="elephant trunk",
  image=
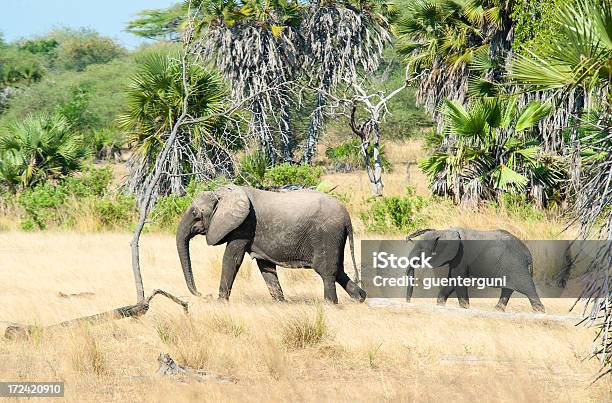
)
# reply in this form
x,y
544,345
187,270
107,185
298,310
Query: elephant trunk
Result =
x,y
183,236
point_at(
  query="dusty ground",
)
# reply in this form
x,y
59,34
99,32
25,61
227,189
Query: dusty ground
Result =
x,y
359,352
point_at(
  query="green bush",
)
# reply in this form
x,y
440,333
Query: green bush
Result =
x,y
349,154
40,205
80,48
252,169
288,174
92,182
45,203
393,214
116,212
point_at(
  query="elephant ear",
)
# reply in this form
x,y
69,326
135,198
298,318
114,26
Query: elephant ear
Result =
x,y
446,246
232,209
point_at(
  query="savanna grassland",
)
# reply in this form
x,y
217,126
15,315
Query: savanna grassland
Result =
x,y
302,350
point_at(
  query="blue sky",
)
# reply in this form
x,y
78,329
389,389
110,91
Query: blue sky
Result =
x,y
26,18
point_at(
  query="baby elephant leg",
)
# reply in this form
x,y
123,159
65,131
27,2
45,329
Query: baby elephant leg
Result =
x,y
503,299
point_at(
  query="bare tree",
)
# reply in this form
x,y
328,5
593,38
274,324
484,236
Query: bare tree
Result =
x,y
368,131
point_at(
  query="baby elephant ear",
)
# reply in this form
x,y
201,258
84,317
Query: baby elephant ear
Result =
x,y
232,209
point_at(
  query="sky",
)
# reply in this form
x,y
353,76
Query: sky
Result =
x,y
27,18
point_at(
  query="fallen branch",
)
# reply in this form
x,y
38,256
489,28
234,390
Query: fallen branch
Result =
x,y
15,331
169,367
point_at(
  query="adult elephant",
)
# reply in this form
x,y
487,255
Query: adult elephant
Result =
x,y
477,254
302,228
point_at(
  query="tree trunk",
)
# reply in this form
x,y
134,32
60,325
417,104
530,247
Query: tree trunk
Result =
x,y
377,183
262,131
316,123
287,140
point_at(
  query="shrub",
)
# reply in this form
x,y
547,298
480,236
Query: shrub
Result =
x,y
393,213
40,205
38,148
105,143
302,330
288,174
60,204
349,155
116,212
252,169
79,48
92,182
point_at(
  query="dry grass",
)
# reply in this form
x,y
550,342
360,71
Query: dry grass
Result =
x,y
352,352
300,350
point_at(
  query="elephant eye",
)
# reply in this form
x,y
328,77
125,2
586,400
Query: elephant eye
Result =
x,y
194,212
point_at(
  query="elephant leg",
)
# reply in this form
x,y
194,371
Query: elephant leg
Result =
x,y
536,304
268,272
503,299
444,293
462,296
232,259
350,287
528,289
409,288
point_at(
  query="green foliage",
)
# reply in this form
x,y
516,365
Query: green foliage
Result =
x,y
492,149
80,48
59,205
76,110
158,24
92,182
518,206
393,214
290,174
42,46
19,66
105,142
101,86
252,169
115,212
576,55
533,23
155,98
349,153
40,205
39,148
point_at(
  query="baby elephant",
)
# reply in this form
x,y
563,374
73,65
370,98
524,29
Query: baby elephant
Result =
x,y
478,254
301,228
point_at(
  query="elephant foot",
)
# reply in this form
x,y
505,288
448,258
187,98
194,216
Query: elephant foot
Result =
x,y
500,308
223,299
538,308
362,295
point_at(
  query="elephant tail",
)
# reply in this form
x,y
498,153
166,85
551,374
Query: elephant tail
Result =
x,y
349,231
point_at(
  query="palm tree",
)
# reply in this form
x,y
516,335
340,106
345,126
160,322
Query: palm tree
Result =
x,y
39,148
489,150
575,65
343,39
439,40
257,46
155,99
